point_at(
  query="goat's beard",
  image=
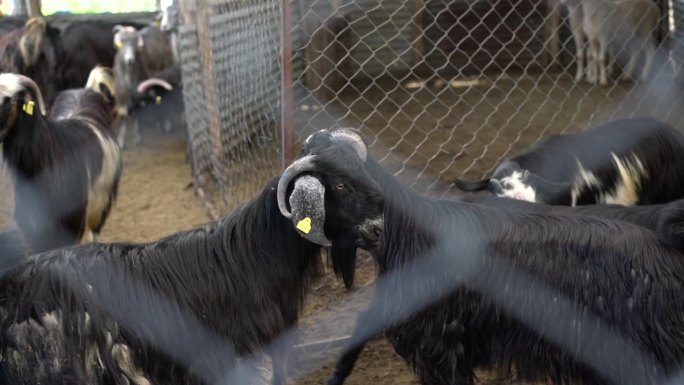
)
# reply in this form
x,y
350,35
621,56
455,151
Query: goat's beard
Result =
x,y
343,257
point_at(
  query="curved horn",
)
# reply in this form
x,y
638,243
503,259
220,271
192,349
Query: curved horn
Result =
x,y
308,209
117,40
143,86
299,166
352,139
31,41
29,84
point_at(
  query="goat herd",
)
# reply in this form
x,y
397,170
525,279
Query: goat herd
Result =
x,y
569,282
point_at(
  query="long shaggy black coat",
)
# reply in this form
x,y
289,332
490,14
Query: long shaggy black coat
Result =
x,y
181,305
475,268
181,310
665,219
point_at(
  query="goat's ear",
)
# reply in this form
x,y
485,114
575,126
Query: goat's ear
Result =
x,y
307,202
117,41
495,186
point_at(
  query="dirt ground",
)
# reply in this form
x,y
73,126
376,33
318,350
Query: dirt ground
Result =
x,y
431,134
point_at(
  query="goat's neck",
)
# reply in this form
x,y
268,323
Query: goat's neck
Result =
x,y
25,139
252,260
409,219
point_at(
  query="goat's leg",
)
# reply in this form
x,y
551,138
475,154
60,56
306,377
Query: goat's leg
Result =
x,y
650,54
603,62
359,339
136,132
123,127
628,71
167,125
575,18
592,54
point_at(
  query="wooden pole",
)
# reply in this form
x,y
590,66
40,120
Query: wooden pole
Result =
x,y
418,43
19,8
287,103
33,8
551,34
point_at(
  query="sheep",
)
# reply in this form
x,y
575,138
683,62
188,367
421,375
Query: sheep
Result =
x,y
627,162
65,166
515,291
130,313
35,51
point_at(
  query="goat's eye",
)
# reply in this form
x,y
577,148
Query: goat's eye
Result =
x,y
339,186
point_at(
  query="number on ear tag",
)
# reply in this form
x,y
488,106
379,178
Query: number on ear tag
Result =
x,y
304,225
28,107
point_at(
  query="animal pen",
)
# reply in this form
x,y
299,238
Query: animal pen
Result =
x,y
439,88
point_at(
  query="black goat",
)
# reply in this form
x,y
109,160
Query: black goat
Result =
x,y
120,313
87,44
464,286
36,51
159,99
629,161
65,166
665,219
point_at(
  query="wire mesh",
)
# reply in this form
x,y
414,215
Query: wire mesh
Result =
x,y
231,73
449,88
440,88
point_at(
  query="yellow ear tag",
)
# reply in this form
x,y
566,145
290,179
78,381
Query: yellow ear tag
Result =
x,y
28,107
304,225
118,45
158,99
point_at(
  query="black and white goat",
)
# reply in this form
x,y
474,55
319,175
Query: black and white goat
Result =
x,y
464,286
65,165
627,162
170,311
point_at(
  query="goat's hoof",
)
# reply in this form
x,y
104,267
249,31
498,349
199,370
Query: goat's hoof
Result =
x,y
334,381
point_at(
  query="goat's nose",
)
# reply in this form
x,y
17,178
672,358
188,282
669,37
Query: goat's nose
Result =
x,y
377,230
372,231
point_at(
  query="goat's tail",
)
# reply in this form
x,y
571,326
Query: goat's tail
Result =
x,y
101,80
471,186
671,224
32,39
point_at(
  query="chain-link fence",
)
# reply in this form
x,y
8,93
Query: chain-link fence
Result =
x,y
230,58
441,88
